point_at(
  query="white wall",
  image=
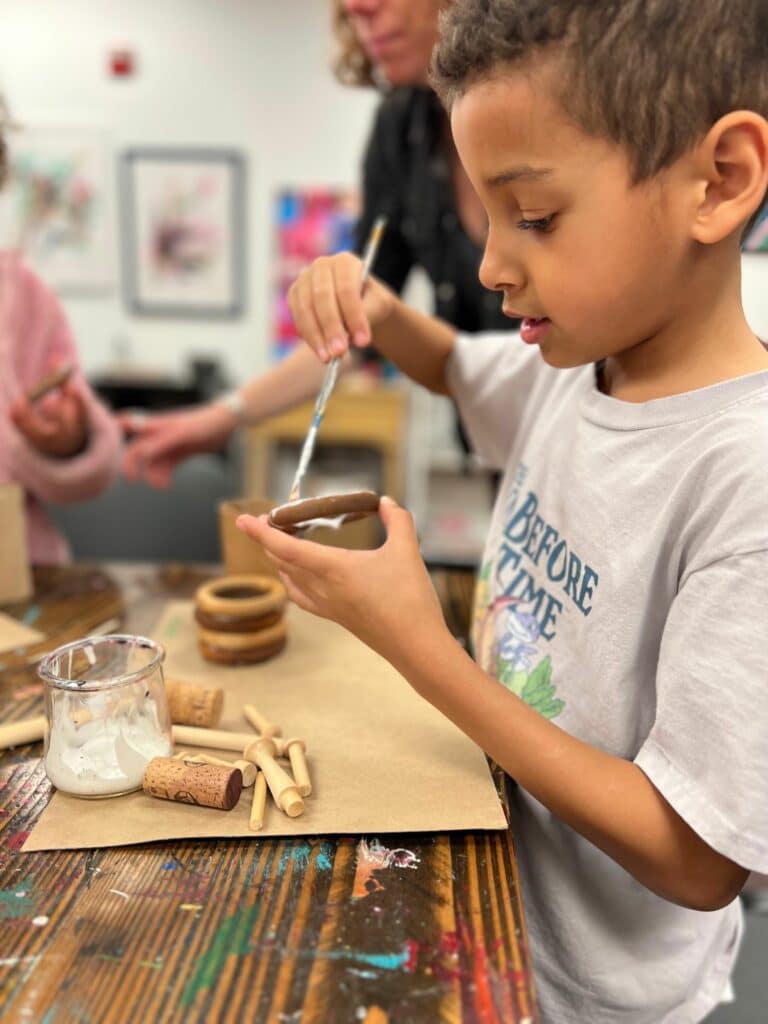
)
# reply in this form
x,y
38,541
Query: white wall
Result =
x,y
248,74
755,291
252,74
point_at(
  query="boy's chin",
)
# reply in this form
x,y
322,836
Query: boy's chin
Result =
x,y
565,360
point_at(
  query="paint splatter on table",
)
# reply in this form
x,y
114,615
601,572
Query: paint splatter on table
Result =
x,y
416,928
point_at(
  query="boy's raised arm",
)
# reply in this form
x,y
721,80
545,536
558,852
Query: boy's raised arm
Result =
x,y
332,316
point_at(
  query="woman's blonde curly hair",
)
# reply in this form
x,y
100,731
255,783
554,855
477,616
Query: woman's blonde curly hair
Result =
x,y
351,64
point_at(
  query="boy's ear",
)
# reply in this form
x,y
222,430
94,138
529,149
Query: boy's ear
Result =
x,y
732,171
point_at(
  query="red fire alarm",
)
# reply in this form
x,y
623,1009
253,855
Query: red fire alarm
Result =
x,y
121,63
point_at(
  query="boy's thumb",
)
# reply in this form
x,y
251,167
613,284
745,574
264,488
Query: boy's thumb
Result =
x,y
390,512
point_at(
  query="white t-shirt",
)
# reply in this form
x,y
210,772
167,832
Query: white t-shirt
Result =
x,y
624,594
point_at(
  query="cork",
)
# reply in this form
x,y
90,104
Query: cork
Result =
x,y
281,785
190,704
256,820
260,722
190,782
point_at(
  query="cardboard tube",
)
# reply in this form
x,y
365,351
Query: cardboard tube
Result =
x,y
260,722
256,820
190,704
189,782
297,755
27,730
216,739
281,785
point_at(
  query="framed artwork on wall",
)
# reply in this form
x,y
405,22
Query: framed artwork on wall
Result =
x,y
309,222
57,207
183,213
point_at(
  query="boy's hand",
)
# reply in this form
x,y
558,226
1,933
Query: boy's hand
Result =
x,y
159,443
57,425
328,310
385,597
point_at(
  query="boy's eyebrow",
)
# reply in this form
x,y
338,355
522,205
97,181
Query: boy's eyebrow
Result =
x,y
522,173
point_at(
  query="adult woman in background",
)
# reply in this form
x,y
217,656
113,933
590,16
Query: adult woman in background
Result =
x,y
66,446
413,177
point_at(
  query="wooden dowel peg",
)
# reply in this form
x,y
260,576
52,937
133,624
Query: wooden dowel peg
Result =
x,y
281,785
27,730
248,768
190,704
256,820
296,750
260,722
191,782
216,739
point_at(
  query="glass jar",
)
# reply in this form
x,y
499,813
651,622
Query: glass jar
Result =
x,y
107,714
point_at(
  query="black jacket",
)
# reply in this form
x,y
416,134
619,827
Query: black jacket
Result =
x,y
407,179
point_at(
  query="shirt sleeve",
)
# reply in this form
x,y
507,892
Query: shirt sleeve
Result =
x,y
495,380
82,476
707,752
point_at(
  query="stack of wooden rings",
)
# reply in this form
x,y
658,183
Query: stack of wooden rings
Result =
x,y
240,619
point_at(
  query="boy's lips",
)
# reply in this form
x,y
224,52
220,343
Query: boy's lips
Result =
x,y
533,329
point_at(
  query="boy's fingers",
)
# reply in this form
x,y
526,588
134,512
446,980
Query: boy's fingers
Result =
x,y
298,596
292,551
301,303
325,302
398,521
347,275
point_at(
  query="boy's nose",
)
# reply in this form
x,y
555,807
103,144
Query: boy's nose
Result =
x,y
497,271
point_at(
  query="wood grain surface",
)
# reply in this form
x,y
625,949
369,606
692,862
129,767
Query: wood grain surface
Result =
x,y
318,931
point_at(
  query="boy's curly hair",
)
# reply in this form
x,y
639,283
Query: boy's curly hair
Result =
x,y
652,76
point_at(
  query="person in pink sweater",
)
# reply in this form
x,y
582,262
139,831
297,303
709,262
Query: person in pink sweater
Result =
x,y
66,446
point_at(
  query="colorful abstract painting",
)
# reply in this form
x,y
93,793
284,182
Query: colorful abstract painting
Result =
x,y
57,206
309,222
183,213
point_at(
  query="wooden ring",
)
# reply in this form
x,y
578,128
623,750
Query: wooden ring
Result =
x,y
331,506
249,657
230,624
241,596
243,641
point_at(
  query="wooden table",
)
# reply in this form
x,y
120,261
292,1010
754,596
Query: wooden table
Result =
x,y
411,928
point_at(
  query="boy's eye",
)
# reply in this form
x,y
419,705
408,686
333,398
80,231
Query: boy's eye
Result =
x,y
540,224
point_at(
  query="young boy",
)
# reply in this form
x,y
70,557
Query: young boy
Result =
x,y
620,150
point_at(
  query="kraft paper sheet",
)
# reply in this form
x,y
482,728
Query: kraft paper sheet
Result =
x,y
381,758
15,634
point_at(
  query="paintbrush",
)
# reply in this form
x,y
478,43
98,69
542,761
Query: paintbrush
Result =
x,y
50,382
332,373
